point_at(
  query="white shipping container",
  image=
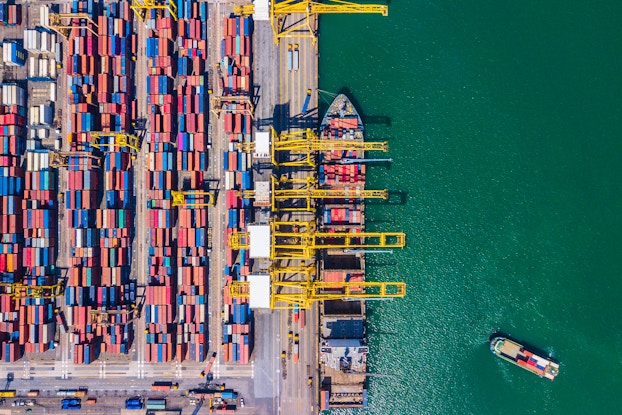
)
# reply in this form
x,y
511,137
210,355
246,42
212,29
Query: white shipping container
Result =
x,y
53,92
36,166
45,161
45,40
53,68
43,68
32,67
44,16
45,114
227,184
33,116
30,161
43,133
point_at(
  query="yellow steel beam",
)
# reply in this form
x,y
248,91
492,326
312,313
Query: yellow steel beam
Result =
x,y
56,22
309,192
280,10
18,290
301,241
141,8
306,142
101,316
217,104
120,140
61,159
288,294
193,198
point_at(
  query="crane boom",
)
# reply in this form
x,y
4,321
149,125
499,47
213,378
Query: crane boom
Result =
x,y
297,242
288,294
307,27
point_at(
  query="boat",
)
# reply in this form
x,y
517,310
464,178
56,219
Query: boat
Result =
x,y
342,120
522,357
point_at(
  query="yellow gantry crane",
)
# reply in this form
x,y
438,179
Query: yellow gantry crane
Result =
x,y
120,140
193,198
18,290
61,159
306,26
306,142
142,7
218,105
300,240
288,294
309,192
102,316
65,23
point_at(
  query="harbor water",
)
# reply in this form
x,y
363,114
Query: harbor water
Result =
x,y
503,121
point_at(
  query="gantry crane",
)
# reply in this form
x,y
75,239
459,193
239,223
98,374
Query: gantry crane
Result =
x,y
302,294
141,8
18,290
217,105
193,198
102,316
60,159
306,27
309,191
306,142
300,240
64,23
120,140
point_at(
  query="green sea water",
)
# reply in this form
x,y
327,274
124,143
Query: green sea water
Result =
x,y
504,125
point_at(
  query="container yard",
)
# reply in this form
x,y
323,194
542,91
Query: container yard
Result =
x,y
152,170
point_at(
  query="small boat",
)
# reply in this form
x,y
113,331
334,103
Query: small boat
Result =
x,y
519,355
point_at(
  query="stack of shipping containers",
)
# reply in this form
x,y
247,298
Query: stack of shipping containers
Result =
x,y
192,266
12,133
40,218
100,203
236,81
82,193
116,44
161,174
10,14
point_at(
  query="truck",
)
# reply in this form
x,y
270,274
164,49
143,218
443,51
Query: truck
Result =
x,y
229,394
295,64
156,404
208,368
289,57
305,105
134,404
295,354
71,404
164,386
61,321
